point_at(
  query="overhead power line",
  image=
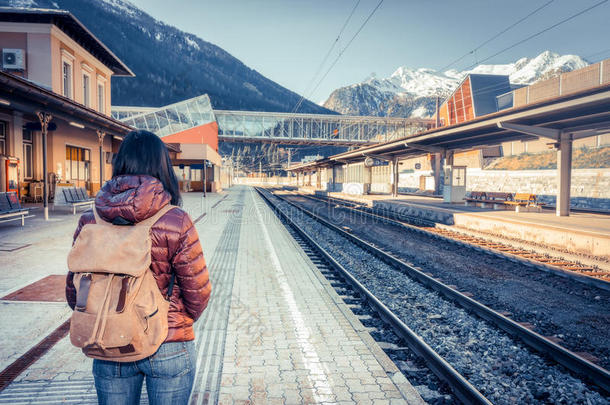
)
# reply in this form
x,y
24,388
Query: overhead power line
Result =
x,y
594,56
540,32
495,36
345,48
332,46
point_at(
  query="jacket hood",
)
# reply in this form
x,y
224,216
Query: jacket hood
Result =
x,y
132,197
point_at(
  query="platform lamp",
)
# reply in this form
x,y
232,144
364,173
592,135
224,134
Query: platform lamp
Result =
x,y
44,125
205,169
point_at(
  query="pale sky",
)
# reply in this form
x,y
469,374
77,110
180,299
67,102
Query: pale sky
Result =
x,y
286,40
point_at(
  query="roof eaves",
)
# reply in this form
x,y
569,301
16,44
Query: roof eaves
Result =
x,y
120,69
34,90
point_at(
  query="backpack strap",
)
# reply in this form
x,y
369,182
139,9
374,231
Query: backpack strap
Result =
x,y
149,222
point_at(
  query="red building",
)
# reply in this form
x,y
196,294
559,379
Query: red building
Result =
x,y
475,96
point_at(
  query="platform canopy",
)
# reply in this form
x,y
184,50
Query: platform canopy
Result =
x,y
581,115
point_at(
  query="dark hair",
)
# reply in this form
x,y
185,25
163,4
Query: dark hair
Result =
x,y
143,152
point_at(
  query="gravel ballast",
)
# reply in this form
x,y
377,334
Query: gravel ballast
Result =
x,y
502,369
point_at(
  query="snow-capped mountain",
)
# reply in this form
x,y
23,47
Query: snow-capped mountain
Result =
x,y
172,65
412,92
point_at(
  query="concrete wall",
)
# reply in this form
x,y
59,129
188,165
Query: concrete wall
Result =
x,y
412,181
38,57
590,187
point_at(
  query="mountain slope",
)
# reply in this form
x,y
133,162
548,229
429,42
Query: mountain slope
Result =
x,y
412,92
171,65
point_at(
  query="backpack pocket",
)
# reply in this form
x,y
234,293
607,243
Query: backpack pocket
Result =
x,y
82,328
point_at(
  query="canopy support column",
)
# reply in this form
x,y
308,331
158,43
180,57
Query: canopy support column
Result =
x,y
437,173
100,138
44,119
564,174
395,174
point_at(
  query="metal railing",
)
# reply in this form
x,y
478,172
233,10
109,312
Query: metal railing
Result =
x,y
255,126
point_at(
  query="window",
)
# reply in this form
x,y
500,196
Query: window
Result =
x,y
28,155
78,161
86,90
101,98
196,174
2,138
67,71
355,174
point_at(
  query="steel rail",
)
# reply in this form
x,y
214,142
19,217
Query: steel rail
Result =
x,y
418,224
465,391
589,371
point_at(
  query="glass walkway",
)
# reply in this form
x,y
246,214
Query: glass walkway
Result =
x,y
268,127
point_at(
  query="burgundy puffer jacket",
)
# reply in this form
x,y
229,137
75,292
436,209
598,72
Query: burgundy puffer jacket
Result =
x,y
175,247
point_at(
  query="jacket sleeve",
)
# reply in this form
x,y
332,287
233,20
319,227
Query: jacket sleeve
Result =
x,y
191,271
70,289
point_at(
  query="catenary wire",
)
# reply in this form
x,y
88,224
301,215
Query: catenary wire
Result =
x,y
539,32
336,41
346,46
495,36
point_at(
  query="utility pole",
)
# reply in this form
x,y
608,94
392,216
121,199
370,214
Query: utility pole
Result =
x,y
260,169
289,156
288,174
438,119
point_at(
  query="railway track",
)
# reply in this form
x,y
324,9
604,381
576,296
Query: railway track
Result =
x,y
497,385
565,268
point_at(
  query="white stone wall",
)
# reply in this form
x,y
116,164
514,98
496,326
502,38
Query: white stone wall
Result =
x,y
592,183
590,187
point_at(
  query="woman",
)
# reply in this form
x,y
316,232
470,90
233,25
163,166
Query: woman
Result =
x,y
143,182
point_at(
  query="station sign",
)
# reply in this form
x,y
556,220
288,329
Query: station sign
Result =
x,y
371,162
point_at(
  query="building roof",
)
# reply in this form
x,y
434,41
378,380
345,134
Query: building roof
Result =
x,y
22,95
69,24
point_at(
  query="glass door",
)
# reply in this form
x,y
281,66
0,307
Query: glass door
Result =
x,y
78,167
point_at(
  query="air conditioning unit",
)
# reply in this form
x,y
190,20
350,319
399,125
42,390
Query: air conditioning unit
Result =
x,y
13,59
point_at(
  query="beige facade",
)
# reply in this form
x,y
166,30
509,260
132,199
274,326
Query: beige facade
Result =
x,y
65,80
48,51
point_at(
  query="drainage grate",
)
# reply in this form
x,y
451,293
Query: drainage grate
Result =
x,y
199,218
231,211
12,246
11,372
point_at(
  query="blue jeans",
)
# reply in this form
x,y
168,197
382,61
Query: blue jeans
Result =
x,y
169,373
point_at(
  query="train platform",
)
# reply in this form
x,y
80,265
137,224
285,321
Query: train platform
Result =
x,y
580,233
274,332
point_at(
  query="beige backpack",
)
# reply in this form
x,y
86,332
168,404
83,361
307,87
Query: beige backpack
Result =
x,y
120,314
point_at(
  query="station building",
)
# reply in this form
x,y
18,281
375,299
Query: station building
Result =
x,y
190,128
56,76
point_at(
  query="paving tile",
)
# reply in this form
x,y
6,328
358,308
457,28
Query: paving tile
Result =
x,y
308,342
273,332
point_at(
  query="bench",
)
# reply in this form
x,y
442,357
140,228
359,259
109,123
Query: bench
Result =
x,y
77,197
495,198
526,201
474,197
10,208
